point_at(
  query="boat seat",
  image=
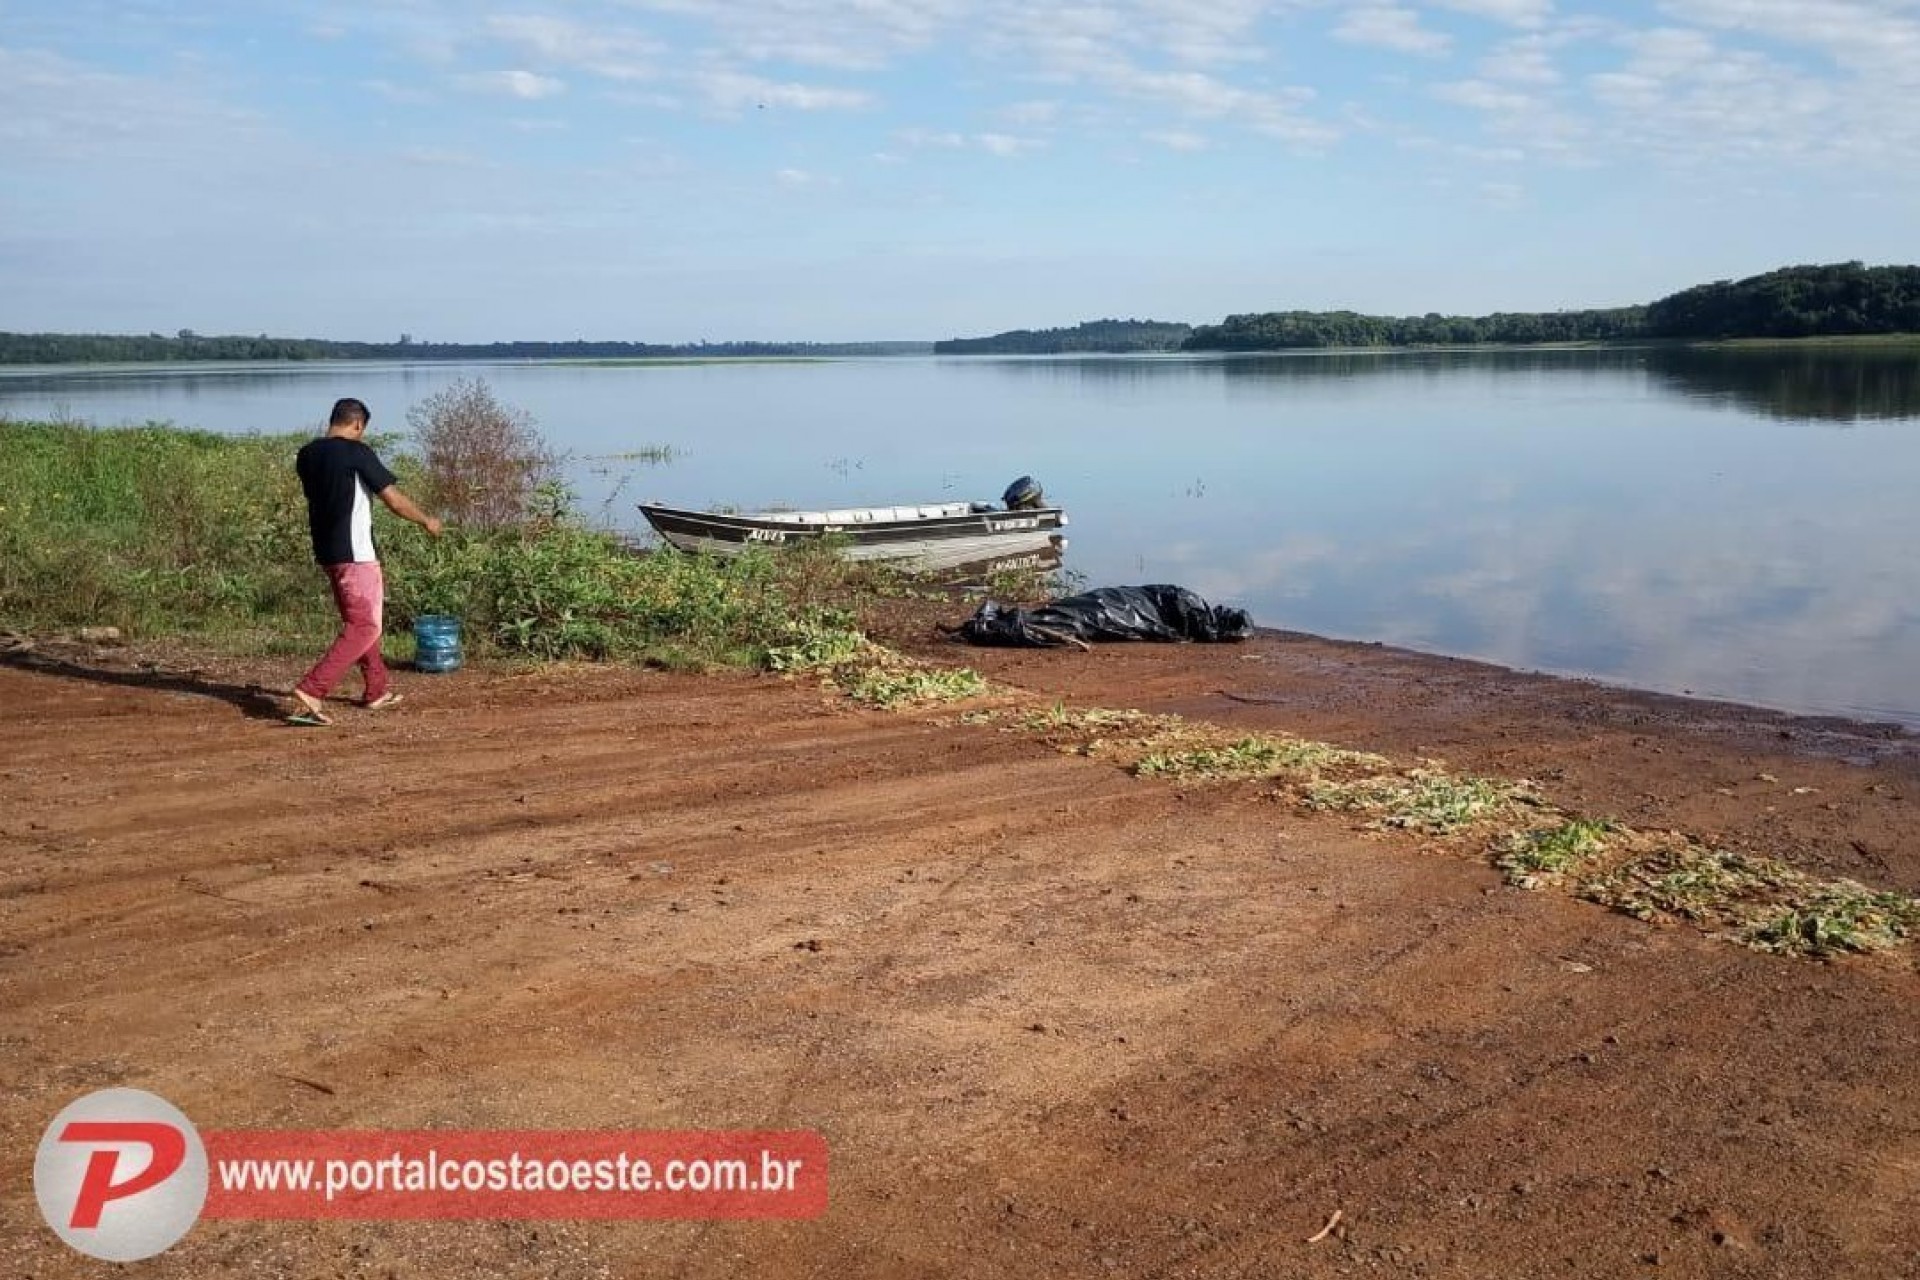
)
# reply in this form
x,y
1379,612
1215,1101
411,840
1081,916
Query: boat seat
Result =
x,y
868,515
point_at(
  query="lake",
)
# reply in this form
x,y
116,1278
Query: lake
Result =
x,y
1736,523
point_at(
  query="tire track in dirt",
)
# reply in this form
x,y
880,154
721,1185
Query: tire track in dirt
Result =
x,y
1056,1019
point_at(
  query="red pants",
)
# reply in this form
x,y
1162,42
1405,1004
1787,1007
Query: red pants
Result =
x,y
359,591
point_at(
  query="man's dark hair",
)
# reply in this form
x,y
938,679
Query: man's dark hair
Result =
x,y
349,411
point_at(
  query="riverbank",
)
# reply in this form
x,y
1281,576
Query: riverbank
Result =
x,y
1050,1015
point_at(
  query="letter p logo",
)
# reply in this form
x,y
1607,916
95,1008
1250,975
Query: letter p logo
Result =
x,y
120,1175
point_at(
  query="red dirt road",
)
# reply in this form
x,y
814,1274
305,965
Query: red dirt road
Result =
x,y
1051,1018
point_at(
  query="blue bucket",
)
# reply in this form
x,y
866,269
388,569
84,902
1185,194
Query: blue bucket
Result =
x,y
436,643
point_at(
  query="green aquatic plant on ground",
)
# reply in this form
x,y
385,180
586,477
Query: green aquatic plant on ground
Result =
x,y
1426,800
1658,877
1758,901
1540,856
1837,916
1691,882
1083,722
889,685
1170,746
824,640
869,673
1254,756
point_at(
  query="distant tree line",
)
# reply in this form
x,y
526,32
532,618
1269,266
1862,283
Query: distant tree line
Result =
x,y
97,348
1792,302
1104,336
1274,330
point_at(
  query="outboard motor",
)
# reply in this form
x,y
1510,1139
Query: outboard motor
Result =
x,y
1024,495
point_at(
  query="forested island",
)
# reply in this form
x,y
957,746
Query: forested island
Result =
x,y
1840,299
1103,336
1793,302
100,348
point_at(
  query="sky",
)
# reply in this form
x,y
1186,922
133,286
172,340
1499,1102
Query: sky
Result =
x,y
845,170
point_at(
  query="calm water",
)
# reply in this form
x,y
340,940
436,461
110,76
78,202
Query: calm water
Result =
x,y
1738,524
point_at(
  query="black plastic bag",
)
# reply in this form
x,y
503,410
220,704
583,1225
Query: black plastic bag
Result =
x,y
1157,612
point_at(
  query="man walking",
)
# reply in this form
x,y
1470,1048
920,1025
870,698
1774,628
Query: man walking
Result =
x,y
339,472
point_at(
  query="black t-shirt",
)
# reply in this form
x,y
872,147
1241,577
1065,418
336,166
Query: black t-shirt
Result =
x,y
341,477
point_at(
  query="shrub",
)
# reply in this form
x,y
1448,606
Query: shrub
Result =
x,y
484,461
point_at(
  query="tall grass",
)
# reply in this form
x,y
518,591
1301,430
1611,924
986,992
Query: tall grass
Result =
x,y
151,529
167,532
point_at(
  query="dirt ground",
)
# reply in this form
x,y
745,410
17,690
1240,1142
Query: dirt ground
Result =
x,y
1052,1019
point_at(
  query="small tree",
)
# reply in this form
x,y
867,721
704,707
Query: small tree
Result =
x,y
484,460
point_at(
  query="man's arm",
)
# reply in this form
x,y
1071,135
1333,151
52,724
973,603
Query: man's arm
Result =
x,y
403,506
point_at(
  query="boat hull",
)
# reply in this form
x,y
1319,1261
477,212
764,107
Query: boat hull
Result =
x,y
945,539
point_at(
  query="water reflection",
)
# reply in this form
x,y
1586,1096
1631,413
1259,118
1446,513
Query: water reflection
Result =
x,y
1811,384
1839,383
1659,516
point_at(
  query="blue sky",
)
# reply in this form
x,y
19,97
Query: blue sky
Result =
x,y
678,170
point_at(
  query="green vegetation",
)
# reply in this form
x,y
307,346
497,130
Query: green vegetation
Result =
x,y
562,591
164,532
153,530
890,685
1541,856
483,461
1424,799
1692,882
1256,756
1103,336
821,641
1655,876
1834,917
1793,302
1761,902
109,348
1279,330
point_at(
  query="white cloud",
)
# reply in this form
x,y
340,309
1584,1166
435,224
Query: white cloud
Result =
x,y
1033,114
1525,60
1209,34
1519,13
1146,51
528,86
600,49
1531,120
1177,140
931,138
820,33
1683,96
441,158
1481,96
56,109
1391,27
732,91
404,94
1002,144
802,179
1201,96
1880,38
1851,92
999,144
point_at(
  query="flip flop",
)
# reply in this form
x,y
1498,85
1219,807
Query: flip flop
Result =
x,y
307,713
385,700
